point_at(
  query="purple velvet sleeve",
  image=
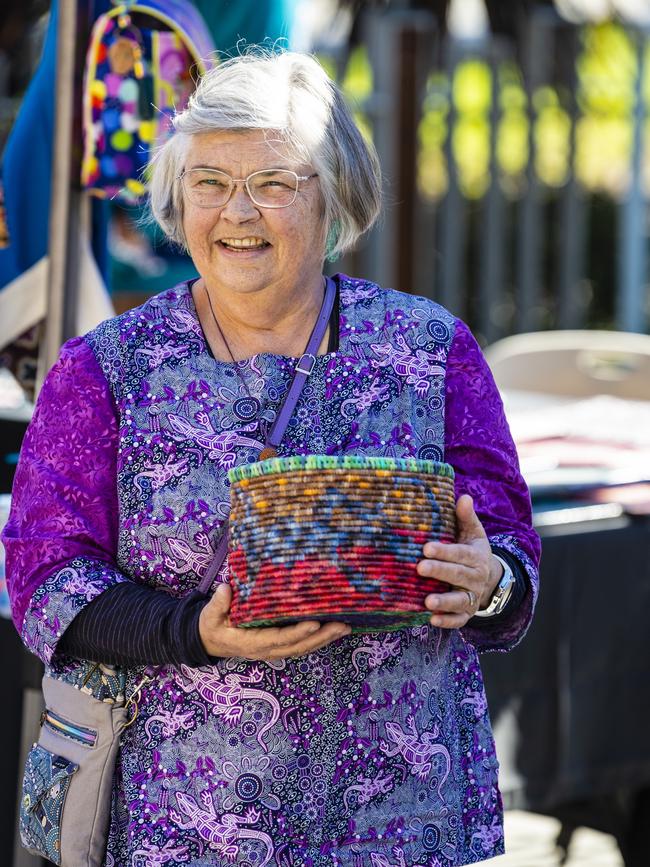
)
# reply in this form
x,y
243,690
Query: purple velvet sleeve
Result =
x,y
61,536
479,446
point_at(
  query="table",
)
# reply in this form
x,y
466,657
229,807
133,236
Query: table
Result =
x,y
570,706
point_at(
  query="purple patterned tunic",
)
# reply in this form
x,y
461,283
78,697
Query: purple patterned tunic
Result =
x,y
373,752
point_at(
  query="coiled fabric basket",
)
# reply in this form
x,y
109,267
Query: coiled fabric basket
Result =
x,y
336,538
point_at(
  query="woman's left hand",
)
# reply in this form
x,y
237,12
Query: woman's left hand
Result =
x,y
467,565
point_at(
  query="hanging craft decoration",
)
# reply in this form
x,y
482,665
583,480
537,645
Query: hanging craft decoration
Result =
x,y
140,69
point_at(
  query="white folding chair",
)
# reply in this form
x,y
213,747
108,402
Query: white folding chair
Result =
x,y
573,363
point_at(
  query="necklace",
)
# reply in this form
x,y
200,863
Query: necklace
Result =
x,y
267,451
301,370
226,344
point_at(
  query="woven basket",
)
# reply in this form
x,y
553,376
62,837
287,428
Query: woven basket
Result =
x,y
336,538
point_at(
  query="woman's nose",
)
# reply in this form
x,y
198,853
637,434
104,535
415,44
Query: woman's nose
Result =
x,y
240,207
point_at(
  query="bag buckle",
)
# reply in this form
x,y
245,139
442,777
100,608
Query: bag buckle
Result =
x,y
311,361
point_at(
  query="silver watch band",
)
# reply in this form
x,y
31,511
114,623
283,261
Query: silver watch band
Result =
x,y
502,592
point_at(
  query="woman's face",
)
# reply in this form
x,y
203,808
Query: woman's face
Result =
x,y
289,242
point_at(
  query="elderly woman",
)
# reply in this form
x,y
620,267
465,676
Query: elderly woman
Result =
x,y
299,745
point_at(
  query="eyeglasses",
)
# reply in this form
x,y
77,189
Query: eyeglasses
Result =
x,y
269,188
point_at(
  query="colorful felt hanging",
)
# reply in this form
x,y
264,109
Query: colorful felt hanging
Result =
x,y
141,65
336,538
4,228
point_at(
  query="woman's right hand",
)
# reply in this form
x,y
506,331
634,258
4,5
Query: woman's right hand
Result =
x,y
219,638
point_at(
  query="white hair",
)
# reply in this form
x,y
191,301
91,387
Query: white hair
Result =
x,y
290,94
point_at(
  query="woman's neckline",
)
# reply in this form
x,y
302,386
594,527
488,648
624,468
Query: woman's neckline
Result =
x,y
188,284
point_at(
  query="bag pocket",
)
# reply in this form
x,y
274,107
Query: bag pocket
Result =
x,y
58,725
45,787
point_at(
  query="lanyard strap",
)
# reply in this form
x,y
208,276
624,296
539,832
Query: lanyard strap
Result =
x,y
302,371
304,367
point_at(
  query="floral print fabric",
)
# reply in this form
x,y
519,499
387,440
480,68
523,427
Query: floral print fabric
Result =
x,y
373,752
45,786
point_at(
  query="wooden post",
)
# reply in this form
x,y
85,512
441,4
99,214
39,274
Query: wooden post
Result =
x,y
69,206
571,239
529,266
452,217
492,245
416,40
399,44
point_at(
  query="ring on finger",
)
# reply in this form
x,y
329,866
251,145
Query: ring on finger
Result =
x,y
472,598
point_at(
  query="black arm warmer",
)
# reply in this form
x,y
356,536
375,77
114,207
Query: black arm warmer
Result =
x,y
134,625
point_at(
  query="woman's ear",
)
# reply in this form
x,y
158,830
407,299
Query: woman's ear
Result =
x,y
332,240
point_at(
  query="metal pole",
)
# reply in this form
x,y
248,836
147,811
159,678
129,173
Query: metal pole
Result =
x,y
630,312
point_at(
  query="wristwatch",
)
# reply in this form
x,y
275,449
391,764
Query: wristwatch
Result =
x,y
502,592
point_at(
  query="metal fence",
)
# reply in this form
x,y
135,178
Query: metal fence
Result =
x,y
521,252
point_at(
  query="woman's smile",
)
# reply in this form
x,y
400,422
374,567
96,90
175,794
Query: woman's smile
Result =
x,y
243,247
244,243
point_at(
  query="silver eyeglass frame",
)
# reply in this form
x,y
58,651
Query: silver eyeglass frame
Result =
x,y
244,181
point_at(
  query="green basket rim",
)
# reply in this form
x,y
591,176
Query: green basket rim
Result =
x,y
275,466
406,621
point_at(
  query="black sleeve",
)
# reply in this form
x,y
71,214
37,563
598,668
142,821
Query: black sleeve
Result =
x,y
133,625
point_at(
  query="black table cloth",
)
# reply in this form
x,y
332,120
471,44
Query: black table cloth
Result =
x,y
571,705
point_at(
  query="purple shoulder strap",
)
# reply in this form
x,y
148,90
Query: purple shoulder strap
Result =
x,y
302,372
